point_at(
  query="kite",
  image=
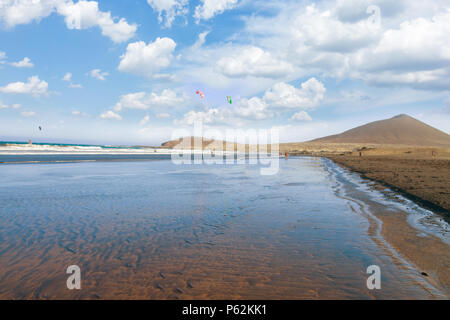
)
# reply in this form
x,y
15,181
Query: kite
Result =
x,y
229,100
40,128
202,95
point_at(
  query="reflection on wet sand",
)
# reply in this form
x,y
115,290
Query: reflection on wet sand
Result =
x,y
153,230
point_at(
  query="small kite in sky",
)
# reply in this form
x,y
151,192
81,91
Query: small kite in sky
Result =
x,y
202,95
40,128
229,100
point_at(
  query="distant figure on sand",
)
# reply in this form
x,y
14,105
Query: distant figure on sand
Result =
x,y
286,155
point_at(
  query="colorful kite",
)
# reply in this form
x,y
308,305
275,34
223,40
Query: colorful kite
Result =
x,y
202,95
229,100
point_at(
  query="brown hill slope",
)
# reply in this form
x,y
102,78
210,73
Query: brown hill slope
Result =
x,y
401,129
187,143
203,143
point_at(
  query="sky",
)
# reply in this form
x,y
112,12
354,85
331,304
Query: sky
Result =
x,y
127,72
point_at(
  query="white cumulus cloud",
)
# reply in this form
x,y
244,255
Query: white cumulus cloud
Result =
x,y
210,8
168,10
80,15
253,61
34,86
144,101
111,115
207,117
254,109
405,45
146,60
301,116
417,54
68,78
25,63
201,40
281,95
98,74
245,110
86,14
15,12
284,95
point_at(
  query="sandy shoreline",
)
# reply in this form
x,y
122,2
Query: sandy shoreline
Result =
x,y
425,181
426,252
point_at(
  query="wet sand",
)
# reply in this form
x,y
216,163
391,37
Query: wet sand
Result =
x,y
423,179
427,252
158,231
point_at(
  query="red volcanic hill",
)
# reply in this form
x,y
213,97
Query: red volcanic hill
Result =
x,y
401,129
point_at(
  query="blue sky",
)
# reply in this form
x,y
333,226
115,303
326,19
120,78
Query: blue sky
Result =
x,y
126,72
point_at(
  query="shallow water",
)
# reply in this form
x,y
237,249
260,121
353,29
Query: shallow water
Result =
x,y
156,230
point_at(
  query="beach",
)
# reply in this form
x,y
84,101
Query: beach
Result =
x,y
424,178
222,152
156,230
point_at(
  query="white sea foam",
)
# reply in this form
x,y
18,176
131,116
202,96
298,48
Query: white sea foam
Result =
x,y
36,149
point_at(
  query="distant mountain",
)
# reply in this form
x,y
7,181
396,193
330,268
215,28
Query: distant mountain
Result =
x,y
199,143
401,129
187,143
